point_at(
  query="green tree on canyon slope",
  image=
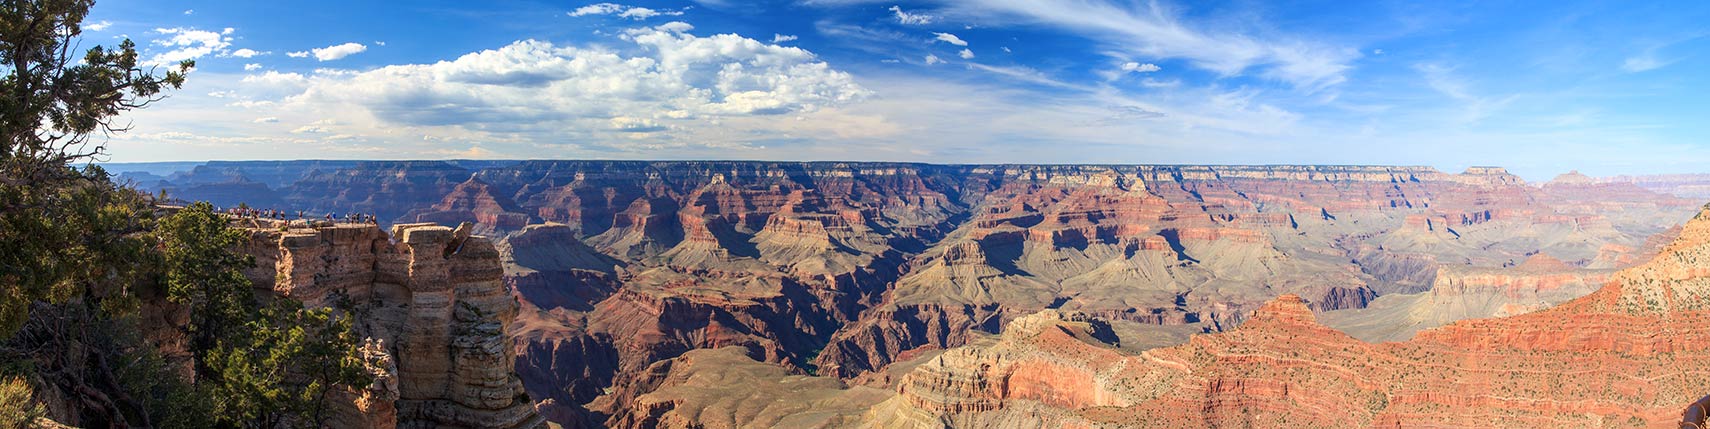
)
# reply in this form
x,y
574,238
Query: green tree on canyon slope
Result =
x,y
87,270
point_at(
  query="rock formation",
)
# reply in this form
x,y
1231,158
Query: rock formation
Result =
x,y
1460,293
432,306
868,271
1619,357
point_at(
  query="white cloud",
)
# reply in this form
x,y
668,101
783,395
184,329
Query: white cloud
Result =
x,y
1641,63
635,125
966,54
906,18
274,79
932,59
1152,30
189,11
597,9
669,82
1471,105
309,129
1006,50
630,12
99,26
379,43
780,38
247,53
951,39
251,67
671,27
298,54
188,44
266,120
1135,67
338,51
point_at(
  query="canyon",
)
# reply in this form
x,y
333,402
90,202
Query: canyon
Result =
x,y
917,295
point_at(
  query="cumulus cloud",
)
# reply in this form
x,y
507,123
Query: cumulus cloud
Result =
x,y
667,79
951,39
99,26
251,67
247,53
298,54
188,44
966,54
932,59
635,125
780,38
622,11
1135,67
338,51
906,18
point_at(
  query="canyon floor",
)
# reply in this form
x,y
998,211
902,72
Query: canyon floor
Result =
x,y
773,294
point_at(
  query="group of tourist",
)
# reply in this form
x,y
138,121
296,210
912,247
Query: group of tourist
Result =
x,y
257,214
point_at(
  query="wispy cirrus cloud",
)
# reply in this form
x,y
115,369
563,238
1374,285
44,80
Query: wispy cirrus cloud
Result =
x,y
907,18
1152,30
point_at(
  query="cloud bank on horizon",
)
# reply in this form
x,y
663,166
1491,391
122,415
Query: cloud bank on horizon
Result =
x,y
1539,87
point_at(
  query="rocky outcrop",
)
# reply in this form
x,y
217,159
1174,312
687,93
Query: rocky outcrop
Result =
x,y
1693,186
475,201
847,269
1461,293
433,307
1618,357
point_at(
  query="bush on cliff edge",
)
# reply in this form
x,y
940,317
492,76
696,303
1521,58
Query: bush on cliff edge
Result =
x,y
90,278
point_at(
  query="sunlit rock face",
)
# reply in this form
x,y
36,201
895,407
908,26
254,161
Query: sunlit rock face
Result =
x,y
432,306
1622,356
867,271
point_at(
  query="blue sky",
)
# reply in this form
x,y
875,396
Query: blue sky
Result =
x,y
1539,87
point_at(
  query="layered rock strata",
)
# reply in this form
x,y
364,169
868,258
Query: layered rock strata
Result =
x,y
1619,357
859,270
433,307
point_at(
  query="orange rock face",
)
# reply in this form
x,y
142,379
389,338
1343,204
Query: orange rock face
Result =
x,y
1620,357
860,270
475,201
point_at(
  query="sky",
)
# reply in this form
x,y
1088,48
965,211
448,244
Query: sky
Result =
x,y
1538,87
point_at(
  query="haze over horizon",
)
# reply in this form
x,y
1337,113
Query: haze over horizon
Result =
x,y
1538,88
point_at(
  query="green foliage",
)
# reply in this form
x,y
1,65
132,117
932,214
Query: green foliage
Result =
x,y
82,238
79,255
281,372
160,390
55,220
204,273
51,102
17,408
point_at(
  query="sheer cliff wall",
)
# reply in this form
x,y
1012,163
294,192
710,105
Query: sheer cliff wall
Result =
x,y
432,306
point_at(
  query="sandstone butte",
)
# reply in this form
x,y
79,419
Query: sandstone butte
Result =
x,y
861,271
1627,355
432,305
